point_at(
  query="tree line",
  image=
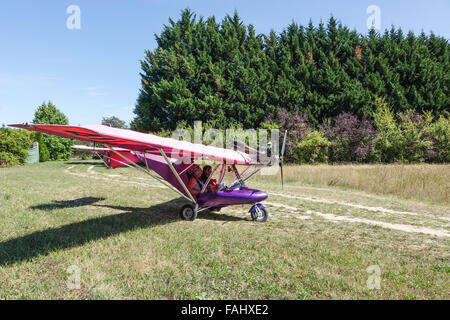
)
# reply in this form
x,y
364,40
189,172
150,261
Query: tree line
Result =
x,y
225,72
343,96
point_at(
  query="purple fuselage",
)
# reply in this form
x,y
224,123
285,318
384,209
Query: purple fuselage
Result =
x,y
231,197
209,199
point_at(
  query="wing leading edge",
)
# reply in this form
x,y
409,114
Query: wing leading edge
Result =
x,y
137,141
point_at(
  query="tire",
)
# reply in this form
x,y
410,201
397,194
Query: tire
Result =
x,y
261,216
188,212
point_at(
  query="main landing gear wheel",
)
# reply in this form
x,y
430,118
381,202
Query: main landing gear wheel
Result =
x,y
259,214
188,212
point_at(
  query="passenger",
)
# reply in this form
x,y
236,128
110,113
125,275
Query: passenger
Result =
x,y
212,185
195,185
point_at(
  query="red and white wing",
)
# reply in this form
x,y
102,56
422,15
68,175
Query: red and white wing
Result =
x,y
137,141
87,148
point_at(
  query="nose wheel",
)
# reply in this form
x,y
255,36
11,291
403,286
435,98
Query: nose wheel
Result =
x,y
189,212
259,213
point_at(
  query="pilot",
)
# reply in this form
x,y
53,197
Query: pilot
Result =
x,y
195,185
212,185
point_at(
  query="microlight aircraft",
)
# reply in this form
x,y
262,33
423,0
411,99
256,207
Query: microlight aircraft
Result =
x,y
164,159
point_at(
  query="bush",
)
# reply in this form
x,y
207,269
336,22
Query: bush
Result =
x,y
14,146
415,142
44,154
313,149
440,136
405,137
296,124
59,148
8,159
351,139
413,138
389,142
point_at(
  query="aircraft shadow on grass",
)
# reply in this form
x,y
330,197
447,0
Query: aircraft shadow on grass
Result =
x,y
67,203
78,233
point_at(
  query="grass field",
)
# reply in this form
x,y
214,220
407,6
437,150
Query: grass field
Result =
x,y
326,228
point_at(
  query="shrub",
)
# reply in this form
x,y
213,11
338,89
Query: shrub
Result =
x,y
44,154
313,149
59,148
440,136
7,159
389,142
14,145
298,125
351,139
415,139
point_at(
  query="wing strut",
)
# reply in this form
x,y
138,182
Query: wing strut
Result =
x,y
135,166
248,176
175,173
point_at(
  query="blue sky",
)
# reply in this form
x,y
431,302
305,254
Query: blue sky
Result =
x,y
94,71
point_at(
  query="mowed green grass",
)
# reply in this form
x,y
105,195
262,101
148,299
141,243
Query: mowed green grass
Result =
x,y
123,232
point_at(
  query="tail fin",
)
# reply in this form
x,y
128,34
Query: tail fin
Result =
x,y
116,161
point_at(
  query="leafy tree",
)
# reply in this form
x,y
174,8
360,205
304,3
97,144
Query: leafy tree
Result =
x,y
114,122
47,113
59,148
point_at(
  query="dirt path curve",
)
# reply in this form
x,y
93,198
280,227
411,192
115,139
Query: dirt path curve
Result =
x,y
393,226
358,206
298,214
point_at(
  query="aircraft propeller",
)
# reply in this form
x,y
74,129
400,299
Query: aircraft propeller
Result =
x,y
283,148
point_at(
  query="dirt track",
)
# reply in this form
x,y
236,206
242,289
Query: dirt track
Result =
x,y
285,205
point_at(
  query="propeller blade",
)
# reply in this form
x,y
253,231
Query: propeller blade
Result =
x,y
283,148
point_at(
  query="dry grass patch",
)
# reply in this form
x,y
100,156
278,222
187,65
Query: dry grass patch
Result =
x,y
428,182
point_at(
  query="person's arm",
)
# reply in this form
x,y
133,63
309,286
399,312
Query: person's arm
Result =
x,y
191,186
213,185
